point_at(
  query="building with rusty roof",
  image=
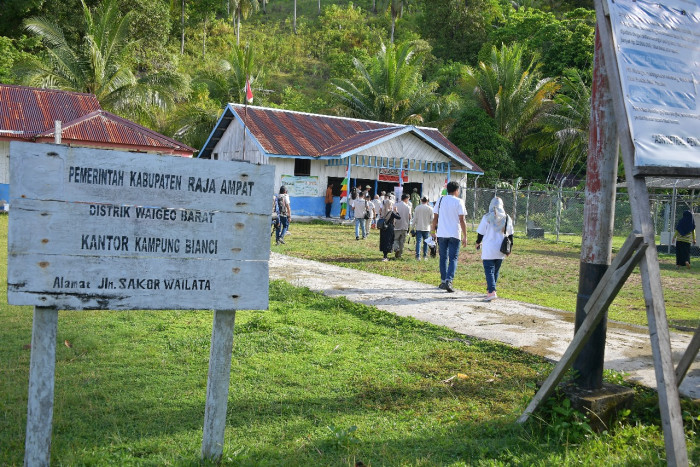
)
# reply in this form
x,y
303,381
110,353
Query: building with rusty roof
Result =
x,y
310,151
30,114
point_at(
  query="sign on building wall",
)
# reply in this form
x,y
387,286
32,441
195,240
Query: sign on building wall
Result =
x,y
658,56
392,175
302,186
101,229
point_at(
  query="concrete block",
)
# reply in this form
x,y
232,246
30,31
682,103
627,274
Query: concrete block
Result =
x,y
601,405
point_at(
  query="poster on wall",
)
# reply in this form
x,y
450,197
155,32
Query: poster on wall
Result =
x,y
658,57
301,186
392,175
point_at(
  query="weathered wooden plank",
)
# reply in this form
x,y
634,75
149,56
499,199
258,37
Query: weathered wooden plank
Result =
x,y
218,381
688,357
610,284
42,370
55,172
115,283
89,229
669,400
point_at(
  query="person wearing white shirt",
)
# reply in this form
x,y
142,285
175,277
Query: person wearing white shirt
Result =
x,y
377,202
421,223
449,226
493,228
361,209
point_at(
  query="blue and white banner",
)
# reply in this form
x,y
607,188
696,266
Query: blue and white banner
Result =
x,y
658,56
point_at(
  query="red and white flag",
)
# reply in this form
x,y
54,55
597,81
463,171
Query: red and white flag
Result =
x,y
248,92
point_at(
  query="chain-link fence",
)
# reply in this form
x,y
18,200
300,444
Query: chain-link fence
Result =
x,y
558,214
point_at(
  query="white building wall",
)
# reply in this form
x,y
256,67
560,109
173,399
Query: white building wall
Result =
x,y
5,162
230,146
406,146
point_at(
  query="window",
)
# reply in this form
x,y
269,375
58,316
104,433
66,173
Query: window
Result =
x,y
302,167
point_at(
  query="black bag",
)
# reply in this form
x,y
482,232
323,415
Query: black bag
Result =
x,y
506,244
381,225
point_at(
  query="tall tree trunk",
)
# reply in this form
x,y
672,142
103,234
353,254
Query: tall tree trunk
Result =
x,y
393,26
204,38
238,27
264,6
182,23
374,6
295,16
319,7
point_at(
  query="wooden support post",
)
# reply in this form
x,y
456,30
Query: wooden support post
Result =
x,y
42,375
598,219
688,357
610,284
218,382
669,399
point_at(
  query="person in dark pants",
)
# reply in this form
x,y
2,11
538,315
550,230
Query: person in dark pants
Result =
x,y
386,234
329,199
449,227
285,215
683,238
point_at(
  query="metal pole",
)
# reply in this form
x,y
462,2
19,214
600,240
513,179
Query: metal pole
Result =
x,y
599,215
218,382
559,204
515,205
672,224
527,211
42,376
474,210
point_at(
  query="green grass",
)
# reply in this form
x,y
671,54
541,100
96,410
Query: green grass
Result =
x,y
541,272
314,381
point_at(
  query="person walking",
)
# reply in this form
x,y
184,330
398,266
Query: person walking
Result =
x,y
377,210
421,223
284,215
449,227
386,233
403,208
683,237
369,215
493,228
360,208
415,199
329,200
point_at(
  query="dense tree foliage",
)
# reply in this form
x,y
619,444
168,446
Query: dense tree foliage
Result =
x,y
174,64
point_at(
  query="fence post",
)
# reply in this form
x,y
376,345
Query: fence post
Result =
x,y
515,206
527,211
559,205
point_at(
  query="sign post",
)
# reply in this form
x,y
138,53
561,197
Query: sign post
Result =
x,y
100,229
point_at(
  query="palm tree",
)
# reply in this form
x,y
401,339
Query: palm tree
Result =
x,y
391,89
228,83
243,9
99,65
511,93
565,126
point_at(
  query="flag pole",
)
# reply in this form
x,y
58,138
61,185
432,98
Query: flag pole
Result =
x,y
245,114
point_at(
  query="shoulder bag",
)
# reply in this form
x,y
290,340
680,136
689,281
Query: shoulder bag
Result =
x,y
506,244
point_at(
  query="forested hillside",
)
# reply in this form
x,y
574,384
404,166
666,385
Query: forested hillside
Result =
x,y
508,82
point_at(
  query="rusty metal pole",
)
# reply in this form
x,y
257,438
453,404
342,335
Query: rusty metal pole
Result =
x,y
598,218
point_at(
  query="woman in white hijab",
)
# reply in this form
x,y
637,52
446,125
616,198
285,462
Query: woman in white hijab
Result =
x,y
493,228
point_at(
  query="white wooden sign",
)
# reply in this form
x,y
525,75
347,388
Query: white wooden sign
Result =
x,y
102,229
658,57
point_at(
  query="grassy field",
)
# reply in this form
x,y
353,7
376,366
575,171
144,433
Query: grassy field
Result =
x,y
542,272
314,381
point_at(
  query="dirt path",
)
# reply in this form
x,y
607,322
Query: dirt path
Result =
x,y
539,330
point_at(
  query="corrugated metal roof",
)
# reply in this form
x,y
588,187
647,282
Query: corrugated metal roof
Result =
x,y
289,133
104,127
29,113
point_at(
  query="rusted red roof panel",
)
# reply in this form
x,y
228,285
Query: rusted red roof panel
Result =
x,y
32,110
29,113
